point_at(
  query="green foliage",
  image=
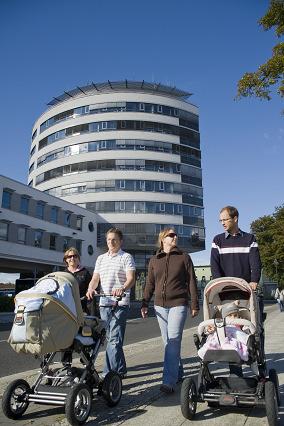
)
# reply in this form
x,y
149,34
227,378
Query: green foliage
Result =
x,y
270,73
7,304
269,232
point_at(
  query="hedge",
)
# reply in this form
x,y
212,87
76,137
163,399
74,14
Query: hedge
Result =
x,y
7,304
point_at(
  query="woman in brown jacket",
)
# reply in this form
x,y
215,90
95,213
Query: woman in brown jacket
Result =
x,y
171,277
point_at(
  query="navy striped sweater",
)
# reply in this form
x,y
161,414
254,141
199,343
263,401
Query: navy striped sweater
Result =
x,y
235,256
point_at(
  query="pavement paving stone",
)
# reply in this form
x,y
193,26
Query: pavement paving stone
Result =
x,y
142,402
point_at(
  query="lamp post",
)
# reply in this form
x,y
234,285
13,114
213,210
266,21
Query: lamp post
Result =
x,y
276,263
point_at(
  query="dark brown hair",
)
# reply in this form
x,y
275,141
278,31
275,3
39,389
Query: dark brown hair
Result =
x,y
232,211
116,231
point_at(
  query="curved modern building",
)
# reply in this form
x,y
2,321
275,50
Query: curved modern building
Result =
x,y
129,151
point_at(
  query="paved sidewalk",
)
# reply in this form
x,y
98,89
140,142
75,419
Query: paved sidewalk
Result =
x,y
142,402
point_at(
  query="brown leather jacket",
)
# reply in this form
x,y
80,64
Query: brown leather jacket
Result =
x,y
171,277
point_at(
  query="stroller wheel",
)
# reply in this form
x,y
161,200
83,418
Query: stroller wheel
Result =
x,y
112,388
78,404
271,403
273,376
15,399
188,398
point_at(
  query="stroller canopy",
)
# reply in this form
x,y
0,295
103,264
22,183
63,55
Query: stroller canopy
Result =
x,y
227,289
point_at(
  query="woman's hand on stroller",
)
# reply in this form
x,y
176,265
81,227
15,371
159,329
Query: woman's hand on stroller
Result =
x,y
144,312
194,313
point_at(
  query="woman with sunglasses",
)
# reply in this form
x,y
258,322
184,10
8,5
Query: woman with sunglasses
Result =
x,y
72,260
172,279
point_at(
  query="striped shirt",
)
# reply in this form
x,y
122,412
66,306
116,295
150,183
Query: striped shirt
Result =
x,y
112,271
235,256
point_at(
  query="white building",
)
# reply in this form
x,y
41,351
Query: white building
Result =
x,y
36,228
129,151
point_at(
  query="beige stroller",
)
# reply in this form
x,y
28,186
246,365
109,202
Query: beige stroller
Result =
x,y
49,319
232,390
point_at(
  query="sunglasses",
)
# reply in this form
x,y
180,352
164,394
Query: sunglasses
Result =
x,y
72,255
171,235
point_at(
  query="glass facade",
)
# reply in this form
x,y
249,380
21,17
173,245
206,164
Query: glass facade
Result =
x,y
188,155
188,136
186,119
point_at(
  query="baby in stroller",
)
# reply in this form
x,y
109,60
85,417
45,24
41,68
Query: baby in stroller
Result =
x,y
231,333
236,336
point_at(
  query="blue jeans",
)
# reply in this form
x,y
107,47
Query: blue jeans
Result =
x,y
171,322
115,360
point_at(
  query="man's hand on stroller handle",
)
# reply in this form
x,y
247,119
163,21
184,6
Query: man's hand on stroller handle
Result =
x,y
253,285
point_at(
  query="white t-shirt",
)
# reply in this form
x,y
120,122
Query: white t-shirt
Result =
x,y
112,271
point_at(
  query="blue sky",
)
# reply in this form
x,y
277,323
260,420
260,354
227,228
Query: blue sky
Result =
x,y
203,47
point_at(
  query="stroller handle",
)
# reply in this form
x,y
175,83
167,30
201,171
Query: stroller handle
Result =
x,y
104,295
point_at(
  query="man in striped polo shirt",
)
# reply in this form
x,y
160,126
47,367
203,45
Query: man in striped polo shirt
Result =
x,y
115,271
235,253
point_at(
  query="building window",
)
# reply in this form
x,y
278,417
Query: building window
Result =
x,y
22,235
78,245
66,243
32,151
24,206
52,241
90,250
161,186
91,226
122,205
160,108
4,228
34,134
54,215
79,223
38,238
122,184
39,209
162,207
142,107
6,199
67,219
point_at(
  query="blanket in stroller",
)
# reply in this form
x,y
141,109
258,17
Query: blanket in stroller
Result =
x,y
47,316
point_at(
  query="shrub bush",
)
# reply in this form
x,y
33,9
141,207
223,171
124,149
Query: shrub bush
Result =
x,y
7,304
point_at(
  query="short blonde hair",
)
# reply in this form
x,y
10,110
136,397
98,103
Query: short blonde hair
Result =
x,y
163,234
68,251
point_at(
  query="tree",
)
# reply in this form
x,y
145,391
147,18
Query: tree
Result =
x,y
269,232
258,83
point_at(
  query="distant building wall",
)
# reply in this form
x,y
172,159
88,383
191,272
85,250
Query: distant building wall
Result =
x,y
36,228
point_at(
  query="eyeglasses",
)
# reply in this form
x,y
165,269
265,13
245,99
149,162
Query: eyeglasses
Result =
x,y
171,235
72,255
225,220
